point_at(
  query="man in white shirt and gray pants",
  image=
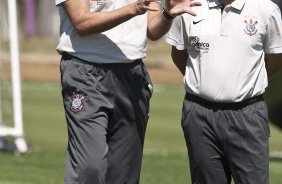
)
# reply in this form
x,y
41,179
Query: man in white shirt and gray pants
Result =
x,y
227,52
105,86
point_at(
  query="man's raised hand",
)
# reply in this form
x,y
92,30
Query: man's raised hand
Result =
x,y
177,7
142,6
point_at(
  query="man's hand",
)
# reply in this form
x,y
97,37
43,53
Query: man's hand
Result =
x,y
159,23
142,6
177,7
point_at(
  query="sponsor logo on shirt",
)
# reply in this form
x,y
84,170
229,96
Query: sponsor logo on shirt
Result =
x,y
94,4
196,22
199,45
97,2
250,25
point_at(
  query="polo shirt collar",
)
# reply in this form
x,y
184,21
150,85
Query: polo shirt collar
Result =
x,y
213,3
237,4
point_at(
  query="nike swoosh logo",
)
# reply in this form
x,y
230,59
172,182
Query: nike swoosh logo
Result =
x,y
196,22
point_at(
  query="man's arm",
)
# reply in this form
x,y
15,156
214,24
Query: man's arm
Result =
x,y
86,22
179,57
158,24
273,63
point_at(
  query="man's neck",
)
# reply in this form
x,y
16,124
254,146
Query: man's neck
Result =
x,y
226,2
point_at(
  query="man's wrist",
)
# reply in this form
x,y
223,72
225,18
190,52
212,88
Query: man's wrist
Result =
x,y
167,15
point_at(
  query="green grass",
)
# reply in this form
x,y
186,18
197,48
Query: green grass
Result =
x,y
165,158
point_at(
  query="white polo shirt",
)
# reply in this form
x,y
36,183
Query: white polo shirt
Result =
x,y
226,50
124,43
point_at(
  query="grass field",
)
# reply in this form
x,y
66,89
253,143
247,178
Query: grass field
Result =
x,y
165,160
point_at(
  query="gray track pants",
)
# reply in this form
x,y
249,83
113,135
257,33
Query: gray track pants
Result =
x,y
224,142
106,109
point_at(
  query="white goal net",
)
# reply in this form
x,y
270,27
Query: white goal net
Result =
x,y
11,122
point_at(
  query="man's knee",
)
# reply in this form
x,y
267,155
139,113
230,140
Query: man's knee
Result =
x,y
92,172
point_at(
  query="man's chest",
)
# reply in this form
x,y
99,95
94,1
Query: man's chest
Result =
x,y
242,27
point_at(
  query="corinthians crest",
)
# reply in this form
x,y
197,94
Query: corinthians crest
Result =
x,y
76,103
250,25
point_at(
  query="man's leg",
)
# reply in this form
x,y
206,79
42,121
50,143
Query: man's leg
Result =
x,y
128,125
87,108
208,164
247,135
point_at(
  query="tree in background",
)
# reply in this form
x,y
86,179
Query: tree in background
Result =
x,y
38,18
48,19
29,22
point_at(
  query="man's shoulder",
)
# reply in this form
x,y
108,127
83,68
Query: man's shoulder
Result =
x,y
265,5
266,8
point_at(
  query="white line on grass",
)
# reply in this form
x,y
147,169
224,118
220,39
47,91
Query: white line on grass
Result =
x,y
272,154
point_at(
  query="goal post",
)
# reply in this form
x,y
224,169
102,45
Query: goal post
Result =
x,y
16,130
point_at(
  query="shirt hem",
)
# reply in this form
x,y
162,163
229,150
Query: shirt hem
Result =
x,y
174,43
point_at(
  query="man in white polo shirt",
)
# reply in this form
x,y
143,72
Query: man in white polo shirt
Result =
x,y
227,52
105,86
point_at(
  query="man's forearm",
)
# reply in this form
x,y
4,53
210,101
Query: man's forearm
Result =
x,y
273,64
273,70
86,22
158,25
179,57
159,22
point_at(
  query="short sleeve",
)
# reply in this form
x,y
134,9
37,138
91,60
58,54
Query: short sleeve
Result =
x,y
59,1
176,36
273,39
278,2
